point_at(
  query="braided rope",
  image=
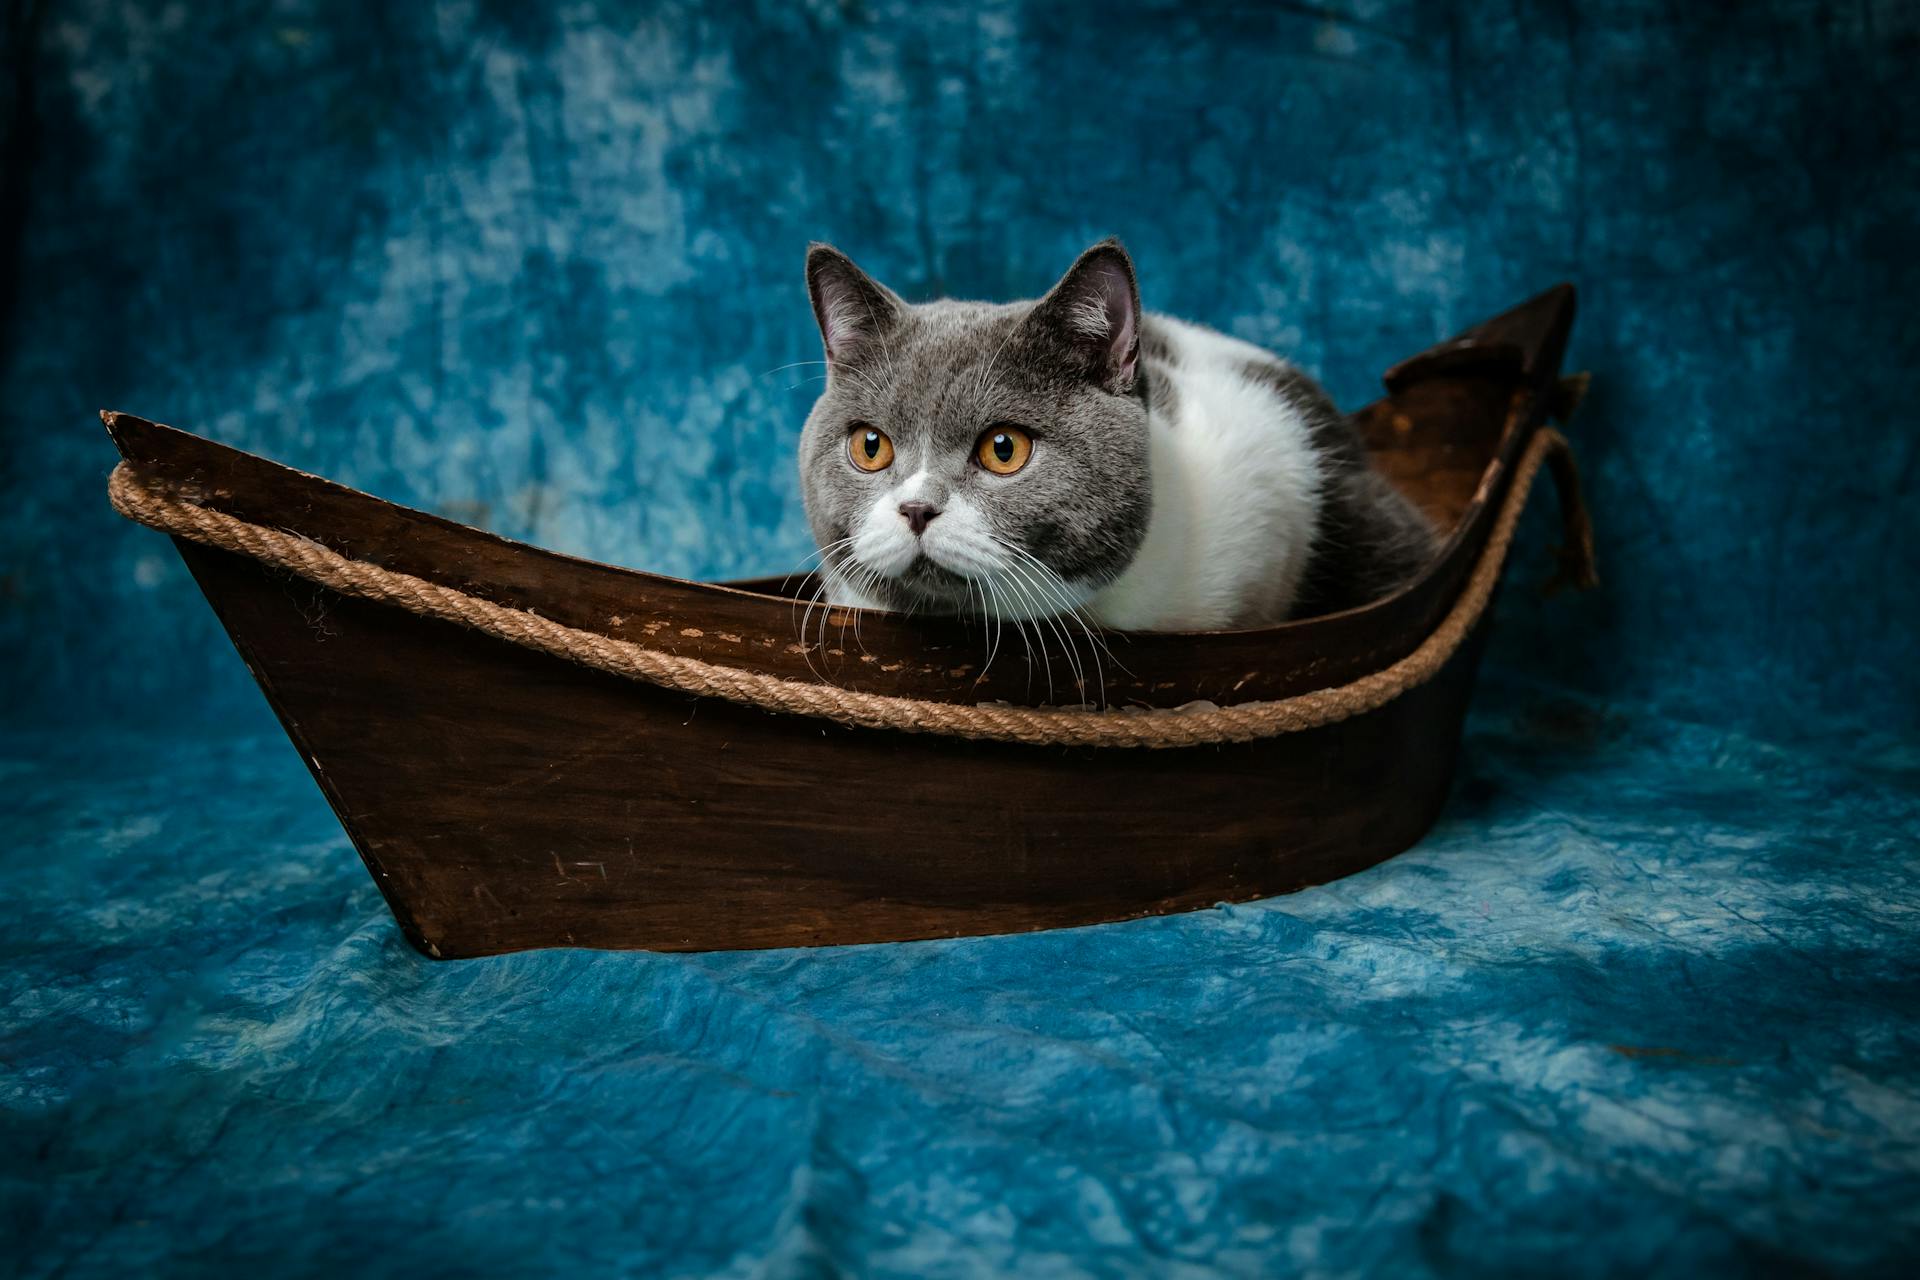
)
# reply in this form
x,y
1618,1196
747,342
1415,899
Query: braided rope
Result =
x,y
1198,724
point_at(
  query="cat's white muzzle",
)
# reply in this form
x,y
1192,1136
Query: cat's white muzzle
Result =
x,y
956,564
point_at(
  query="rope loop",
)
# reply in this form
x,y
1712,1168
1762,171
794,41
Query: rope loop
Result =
x,y
1199,724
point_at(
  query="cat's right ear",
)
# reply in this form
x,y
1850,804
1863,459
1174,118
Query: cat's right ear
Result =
x,y
1096,309
852,308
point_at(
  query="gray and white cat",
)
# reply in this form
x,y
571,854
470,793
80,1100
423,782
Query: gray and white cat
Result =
x,y
1072,454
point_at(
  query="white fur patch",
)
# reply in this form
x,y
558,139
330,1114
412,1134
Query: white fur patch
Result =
x,y
959,540
1236,498
882,541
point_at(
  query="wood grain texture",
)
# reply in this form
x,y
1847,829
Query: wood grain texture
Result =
x,y
505,800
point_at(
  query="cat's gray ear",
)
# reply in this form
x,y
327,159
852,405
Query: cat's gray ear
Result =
x,y
851,307
1095,309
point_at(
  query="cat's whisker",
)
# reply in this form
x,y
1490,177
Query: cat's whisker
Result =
x,y
976,591
838,575
867,589
819,593
1096,648
831,371
993,646
797,364
849,573
1096,638
989,625
804,604
828,567
1046,650
1026,603
1047,617
1066,613
1072,653
846,612
862,579
1093,651
820,554
994,613
1094,632
826,614
826,609
1026,640
977,588
824,576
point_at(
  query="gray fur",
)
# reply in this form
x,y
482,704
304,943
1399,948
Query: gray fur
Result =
x,y
1370,539
933,377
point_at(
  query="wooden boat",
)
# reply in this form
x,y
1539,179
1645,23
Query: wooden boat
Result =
x,y
504,798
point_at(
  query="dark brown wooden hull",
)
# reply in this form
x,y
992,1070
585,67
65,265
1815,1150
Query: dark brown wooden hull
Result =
x,y
505,800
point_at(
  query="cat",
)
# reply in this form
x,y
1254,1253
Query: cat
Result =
x,y
1076,455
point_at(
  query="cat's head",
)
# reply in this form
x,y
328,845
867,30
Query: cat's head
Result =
x,y
976,457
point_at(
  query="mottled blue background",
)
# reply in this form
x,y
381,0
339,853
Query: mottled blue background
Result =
x,y
1649,999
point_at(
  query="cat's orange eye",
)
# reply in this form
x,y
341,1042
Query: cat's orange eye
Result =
x,y
1003,450
869,448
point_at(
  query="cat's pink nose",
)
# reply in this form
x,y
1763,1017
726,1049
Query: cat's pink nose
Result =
x,y
919,515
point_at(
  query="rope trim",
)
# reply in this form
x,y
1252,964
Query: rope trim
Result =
x,y
1198,724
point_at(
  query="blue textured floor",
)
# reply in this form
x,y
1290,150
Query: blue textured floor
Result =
x,y
1649,988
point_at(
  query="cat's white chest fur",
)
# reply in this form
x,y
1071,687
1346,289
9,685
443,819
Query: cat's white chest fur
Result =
x,y
1236,496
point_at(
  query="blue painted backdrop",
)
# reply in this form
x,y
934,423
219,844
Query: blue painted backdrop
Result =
x,y
537,267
